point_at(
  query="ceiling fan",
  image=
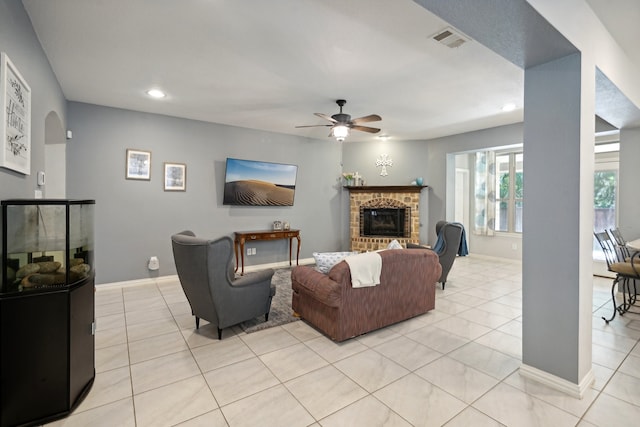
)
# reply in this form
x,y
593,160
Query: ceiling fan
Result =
x,y
342,123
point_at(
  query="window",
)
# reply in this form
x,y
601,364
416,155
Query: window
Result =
x,y
509,192
605,195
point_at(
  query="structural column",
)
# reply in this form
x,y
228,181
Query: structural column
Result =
x,y
557,283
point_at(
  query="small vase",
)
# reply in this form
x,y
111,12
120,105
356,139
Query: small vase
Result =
x,y
349,182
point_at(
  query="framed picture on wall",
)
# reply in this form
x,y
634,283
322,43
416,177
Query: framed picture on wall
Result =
x,y
175,177
138,164
15,126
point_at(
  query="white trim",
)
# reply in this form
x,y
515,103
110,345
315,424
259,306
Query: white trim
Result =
x,y
283,264
608,136
510,234
557,383
162,279
129,283
494,258
174,277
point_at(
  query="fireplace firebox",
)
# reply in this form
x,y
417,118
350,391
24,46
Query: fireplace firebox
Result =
x,y
388,222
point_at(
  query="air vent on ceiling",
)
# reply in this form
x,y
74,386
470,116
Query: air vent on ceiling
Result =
x,y
450,37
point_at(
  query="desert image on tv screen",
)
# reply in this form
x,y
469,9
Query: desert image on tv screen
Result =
x,y
255,183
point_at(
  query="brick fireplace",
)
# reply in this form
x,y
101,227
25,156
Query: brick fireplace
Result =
x,y
388,199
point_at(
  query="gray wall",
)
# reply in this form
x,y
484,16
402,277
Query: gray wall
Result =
x,y
432,157
409,162
439,149
134,219
19,42
428,159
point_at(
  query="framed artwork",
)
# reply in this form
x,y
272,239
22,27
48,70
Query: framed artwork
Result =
x,y
175,177
138,164
15,126
258,183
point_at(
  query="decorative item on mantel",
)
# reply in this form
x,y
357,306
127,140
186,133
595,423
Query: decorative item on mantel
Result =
x,y
384,161
348,178
358,180
353,179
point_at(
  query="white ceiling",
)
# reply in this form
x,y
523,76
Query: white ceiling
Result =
x,y
621,17
271,65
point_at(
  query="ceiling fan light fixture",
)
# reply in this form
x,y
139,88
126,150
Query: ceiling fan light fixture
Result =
x,y
340,132
341,123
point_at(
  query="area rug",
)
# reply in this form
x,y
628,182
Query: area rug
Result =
x,y
281,312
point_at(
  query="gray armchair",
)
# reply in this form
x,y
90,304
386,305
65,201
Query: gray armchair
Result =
x,y
451,242
207,275
448,245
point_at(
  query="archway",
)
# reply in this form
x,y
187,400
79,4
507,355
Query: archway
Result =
x,y
55,157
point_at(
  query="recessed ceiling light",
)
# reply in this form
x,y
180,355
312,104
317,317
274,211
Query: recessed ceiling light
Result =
x,y
384,137
508,107
156,93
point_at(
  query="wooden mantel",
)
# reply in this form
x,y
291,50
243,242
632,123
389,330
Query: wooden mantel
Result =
x,y
386,188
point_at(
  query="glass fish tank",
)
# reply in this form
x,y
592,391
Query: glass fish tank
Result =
x,y
46,244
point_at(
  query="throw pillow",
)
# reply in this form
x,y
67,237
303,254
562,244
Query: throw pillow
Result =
x,y
326,260
394,244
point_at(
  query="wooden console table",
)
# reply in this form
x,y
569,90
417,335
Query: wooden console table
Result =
x,y
243,236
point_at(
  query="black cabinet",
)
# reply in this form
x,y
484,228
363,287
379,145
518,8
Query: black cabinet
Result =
x,y
47,359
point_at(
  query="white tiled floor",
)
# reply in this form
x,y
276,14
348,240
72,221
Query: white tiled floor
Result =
x,y
454,366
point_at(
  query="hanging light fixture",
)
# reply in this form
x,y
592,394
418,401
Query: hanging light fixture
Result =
x,y
340,132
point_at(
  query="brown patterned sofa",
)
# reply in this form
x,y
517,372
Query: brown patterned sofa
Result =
x,y
328,302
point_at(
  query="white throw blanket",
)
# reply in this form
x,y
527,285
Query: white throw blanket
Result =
x,y
365,269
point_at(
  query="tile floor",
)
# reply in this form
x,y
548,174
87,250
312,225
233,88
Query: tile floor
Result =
x,y
455,366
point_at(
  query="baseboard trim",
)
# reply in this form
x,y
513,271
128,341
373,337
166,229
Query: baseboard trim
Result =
x,y
174,277
283,264
495,258
133,283
574,390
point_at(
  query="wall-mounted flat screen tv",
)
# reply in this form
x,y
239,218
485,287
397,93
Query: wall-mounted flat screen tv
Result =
x,y
256,183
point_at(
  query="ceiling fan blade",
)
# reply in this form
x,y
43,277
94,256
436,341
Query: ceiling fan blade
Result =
x,y
313,126
365,129
324,116
365,119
